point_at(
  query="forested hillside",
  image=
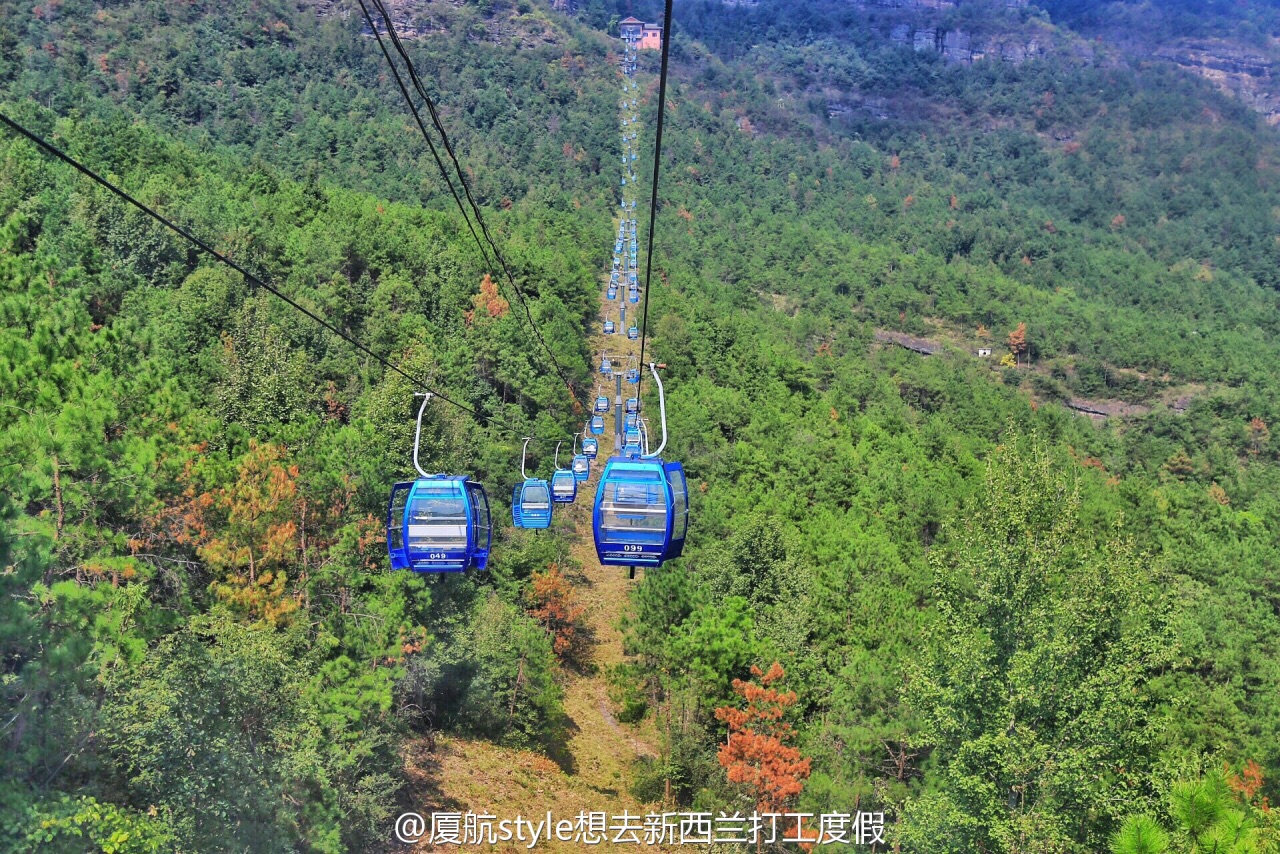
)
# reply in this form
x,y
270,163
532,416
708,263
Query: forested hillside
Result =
x,y
1007,626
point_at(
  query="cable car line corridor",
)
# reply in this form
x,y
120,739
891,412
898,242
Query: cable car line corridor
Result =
x,y
604,590
637,508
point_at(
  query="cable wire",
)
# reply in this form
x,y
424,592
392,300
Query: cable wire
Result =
x,y
653,198
250,277
475,208
444,173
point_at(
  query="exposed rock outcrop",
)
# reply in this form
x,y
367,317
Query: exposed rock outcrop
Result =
x,y
1245,72
961,46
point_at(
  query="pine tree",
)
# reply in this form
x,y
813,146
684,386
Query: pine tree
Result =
x,y
257,538
758,753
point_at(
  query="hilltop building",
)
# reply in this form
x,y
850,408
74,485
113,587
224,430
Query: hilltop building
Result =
x,y
641,35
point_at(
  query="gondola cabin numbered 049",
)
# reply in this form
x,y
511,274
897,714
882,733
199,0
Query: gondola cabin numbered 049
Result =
x,y
439,524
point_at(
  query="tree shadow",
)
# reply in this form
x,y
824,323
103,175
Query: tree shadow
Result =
x,y
580,660
556,745
422,763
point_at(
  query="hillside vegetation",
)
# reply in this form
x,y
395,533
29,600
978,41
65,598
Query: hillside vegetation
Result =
x,y
1008,627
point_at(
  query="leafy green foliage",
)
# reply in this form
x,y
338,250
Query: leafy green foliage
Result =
x,y
1098,602
83,824
1036,668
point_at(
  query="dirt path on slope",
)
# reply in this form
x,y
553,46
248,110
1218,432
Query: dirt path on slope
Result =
x,y
592,770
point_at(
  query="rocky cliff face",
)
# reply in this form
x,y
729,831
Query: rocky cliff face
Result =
x,y
961,46
1245,72
919,24
1241,71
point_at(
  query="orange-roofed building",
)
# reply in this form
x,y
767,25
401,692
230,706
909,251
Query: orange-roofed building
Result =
x,y
643,36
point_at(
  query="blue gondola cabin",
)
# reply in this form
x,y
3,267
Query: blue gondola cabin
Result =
x,y
641,512
564,486
531,504
439,524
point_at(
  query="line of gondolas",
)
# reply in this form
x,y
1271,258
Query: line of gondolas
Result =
x,y
442,522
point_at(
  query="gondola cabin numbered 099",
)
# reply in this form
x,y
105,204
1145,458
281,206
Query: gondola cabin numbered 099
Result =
x,y
641,512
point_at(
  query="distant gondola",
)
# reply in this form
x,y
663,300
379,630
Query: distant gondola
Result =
x,y
581,467
564,486
531,500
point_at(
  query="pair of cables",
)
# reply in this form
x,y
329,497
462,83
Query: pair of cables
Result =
x,y
411,72
195,241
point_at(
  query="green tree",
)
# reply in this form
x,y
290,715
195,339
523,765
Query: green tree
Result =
x,y
513,694
1222,812
212,731
1031,691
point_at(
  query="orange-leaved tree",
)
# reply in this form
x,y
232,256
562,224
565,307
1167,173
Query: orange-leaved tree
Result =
x,y
1018,342
1259,435
489,300
552,603
758,753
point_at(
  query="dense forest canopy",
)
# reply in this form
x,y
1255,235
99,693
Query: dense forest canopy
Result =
x,y
1008,626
